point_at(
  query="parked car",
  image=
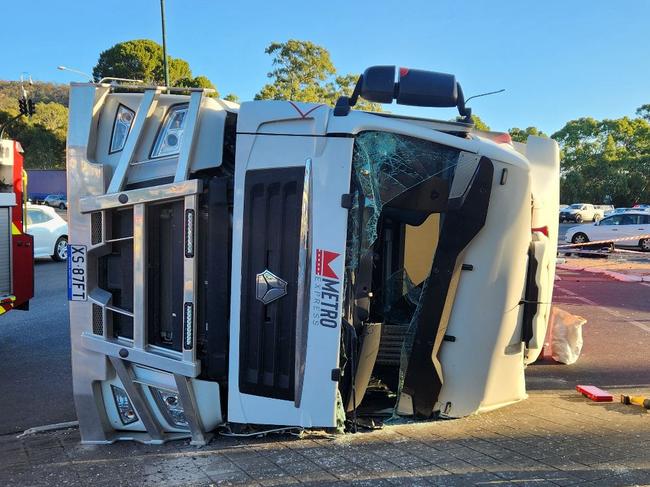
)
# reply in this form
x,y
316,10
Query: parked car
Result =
x,y
59,201
37,198
50,232
626,210
581,212
606,209
621,225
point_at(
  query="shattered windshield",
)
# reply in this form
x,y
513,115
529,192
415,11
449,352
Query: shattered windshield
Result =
x,y
386,165
393,234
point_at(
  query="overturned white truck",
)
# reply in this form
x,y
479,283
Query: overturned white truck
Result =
x,y
282,263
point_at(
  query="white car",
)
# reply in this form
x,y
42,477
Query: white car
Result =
x,y
50,232
617,226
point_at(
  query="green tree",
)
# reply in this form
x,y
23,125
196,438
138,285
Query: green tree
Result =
x,y
300,69
42,135
644,111
479,123
38,91
142,59
53,117
521,135
199,82
605,160
231,97
304,71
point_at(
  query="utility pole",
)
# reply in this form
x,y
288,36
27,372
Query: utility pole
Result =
x,y
164,42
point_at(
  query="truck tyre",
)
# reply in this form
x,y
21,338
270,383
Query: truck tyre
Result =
x,y
644,243
60,249
579,238
578,218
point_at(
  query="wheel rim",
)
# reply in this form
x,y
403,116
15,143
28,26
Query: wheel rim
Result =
x,y
645,244
62,250
579,239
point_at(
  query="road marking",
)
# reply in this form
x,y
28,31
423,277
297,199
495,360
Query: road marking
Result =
x,y
566,291
611,312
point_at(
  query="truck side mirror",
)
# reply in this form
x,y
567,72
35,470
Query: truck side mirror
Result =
x,y
414,87
378,85
426,88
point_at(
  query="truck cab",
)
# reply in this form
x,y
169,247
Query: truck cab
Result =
x,y
293,264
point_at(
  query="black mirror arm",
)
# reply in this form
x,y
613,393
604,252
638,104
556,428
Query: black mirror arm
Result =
x,y
464,111
356,92
344,103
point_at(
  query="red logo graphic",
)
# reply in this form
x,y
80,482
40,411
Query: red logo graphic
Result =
x,y
323,260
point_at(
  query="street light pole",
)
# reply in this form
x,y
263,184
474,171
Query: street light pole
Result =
x,y
164,42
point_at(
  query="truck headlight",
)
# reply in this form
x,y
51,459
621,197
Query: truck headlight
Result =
x,y
171,407
123,405
121,127
169,138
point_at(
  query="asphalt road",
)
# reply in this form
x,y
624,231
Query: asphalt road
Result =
x,y
616,335
35,377
35,380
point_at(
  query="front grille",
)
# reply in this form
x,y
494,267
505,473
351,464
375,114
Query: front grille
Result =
x,y
98,320
271,238
96,227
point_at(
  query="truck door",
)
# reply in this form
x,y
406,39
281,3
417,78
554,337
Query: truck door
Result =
x,y
286,320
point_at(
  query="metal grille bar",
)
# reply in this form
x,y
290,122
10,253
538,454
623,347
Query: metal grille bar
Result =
x,y
153,194
189,278
139,277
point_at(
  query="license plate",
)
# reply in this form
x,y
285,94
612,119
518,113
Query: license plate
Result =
x,y
77,272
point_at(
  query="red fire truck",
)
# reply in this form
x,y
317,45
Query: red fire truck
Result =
x,y
16,246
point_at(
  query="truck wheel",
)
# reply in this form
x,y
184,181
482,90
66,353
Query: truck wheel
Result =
x,y
644,243
580,238
60,249
578,218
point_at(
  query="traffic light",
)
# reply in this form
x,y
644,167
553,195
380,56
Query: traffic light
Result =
x,y
31,108
22,105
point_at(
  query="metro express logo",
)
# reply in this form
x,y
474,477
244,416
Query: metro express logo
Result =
x,y
328,286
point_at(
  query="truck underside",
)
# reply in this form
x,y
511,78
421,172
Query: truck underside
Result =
x,y
279,264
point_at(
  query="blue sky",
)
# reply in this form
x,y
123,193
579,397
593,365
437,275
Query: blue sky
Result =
x,y
558,60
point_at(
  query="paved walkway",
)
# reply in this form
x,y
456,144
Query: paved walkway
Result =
x,y
550,439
